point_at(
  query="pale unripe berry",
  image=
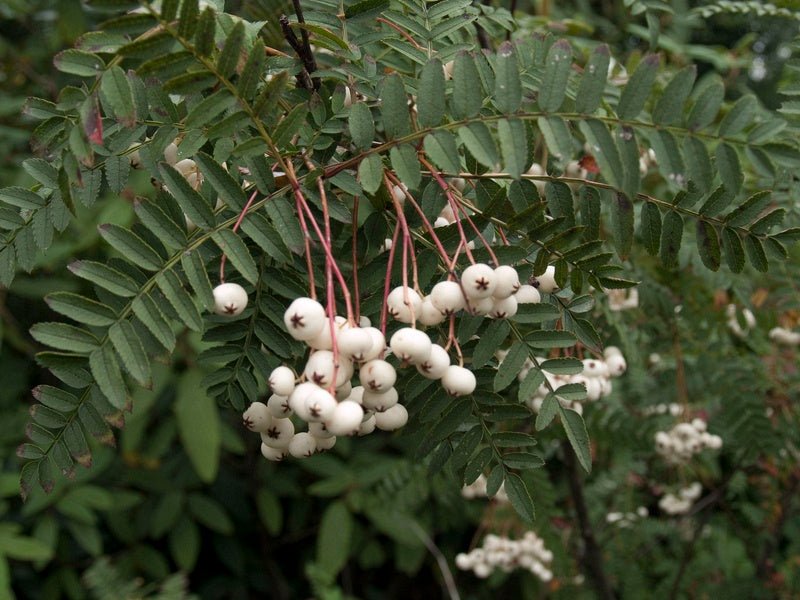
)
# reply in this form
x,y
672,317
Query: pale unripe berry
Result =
x,y
364,322
376,348
185,167
230,299
281,381
616,365
504,308
257,417
595,368
273,454
354,342
304,318
611,351
377,375
527,294
319,431
279,406
357,394
436,364
410,345
279,434
171,153
507,280
398,193
323,340
320,405
546,282
380,402
430,315
367,425
478,281
440,222
297,400
401,301
346,418
325,443
391,419
319,368
447,297
458,381
463,561
302,445
480,306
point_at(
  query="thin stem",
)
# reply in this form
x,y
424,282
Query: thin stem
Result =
x,y
388,279
479,234
447,575
356,291
453,204
592,557
235,229
307,245
401,31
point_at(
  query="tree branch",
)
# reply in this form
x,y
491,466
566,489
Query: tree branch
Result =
x,y
591,557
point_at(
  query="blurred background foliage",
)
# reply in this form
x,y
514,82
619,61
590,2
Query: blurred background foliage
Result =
x,y
186,505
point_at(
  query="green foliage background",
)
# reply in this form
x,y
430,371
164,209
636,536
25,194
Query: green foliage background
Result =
x,y
184,504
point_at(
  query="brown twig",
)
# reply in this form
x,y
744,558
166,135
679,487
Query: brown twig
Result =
x,y
303,78
591,558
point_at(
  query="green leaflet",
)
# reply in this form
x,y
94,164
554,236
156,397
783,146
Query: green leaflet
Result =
x,y
131,246
130,350
229,57
81,309
604,151
558,65
430,95
519,497
557,136
117,90
513,145
467,97
479,141
708,245
405,163
593,81
441,147
238,254
575,429
107,375
638,88
671,234
228,189
670,106
79,62
198,425
394,107
370,173
730,171
191,202
622,224
333,541
651,227
362,127
507,87
698,163
739,116
707,103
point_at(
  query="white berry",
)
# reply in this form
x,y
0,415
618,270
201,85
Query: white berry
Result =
x,y
377,375
546,282
401,301
410,345
458,381
507,281
504,308
436,364
430,315
391,419
302,445
279,433
354,342
279,406
346,418
273,454
304,319
230,299
527,294
478,281
281,381
447,297
320,405
380,402
257,417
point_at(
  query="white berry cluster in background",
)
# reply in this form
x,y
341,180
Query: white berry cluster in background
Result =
x,y
477,489
624,520
733,323
595,377
684,440
682,501
619,300
673,408
500,552
784,337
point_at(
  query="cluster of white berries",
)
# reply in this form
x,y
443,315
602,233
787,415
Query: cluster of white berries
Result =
x,y
684,440
673,408
680,503
595,377
477,489
785,337
733,323
500,552
324,397
624,520
619,300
